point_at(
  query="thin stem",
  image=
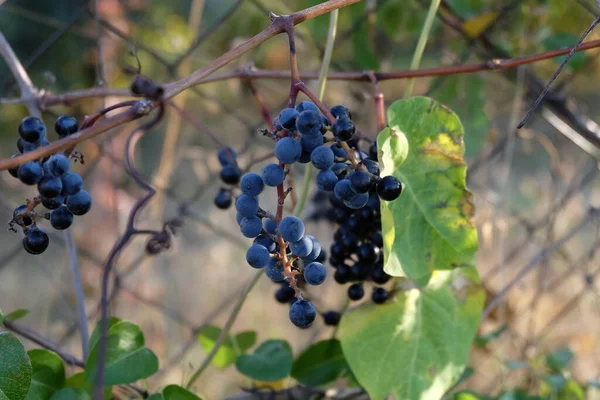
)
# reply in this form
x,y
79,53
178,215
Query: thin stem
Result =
x,y
416,61
79,294
225,331
28,93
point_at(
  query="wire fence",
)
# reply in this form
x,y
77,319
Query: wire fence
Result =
x,y
535,191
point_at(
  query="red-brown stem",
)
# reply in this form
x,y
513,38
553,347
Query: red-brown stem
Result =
x,y
379,103
264,110
294,73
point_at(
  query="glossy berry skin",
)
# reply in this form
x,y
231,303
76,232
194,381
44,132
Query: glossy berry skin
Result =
x,y
30,173
270,226
389,188
58,165
315,273
340,112
367,253
379,295
309,123
32,129
272,175
316,249
246,206
71,183
344,190
14,170
332,318
274,271
36,241
302,247
291,229
302,313
372,167
227,156
285,293
53,203
356,291
257,256
223,199
266,241
322,158
252,184
342,274
65,125
231,174
79,203
361,181
343,129
25,219
287,118
61,218
288,150
326,180
306,105
378,275
50,186
251,227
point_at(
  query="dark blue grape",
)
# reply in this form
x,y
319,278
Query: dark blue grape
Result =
x,y
25,147
378,275
272,175
266,241
32,129
338,150
302,313
36,241
309,123
251,227
274,271
340,112
251,184
343,129
247,206
270,226
285,293
306,105
71,183
332,318
223,199
379,295
14,171
326,180
61,218
358,201
315,273
79,203
322,256
340,169
231,174
373,151
50,186
53,203
288,150
302,247
30,173
361,181
291,229
343,190
58,165
389,188
257,256
342,274
65,125
356,291
372,166
287,118
322,157
238,218
227,156
316,250
311,142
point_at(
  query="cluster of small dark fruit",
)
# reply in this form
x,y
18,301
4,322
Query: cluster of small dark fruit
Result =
x,y
230,175
59,190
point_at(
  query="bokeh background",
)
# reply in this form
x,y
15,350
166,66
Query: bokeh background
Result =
x,y
532,187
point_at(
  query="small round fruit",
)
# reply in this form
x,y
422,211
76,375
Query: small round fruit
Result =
x,y
340,112
252,184
315,273
79,203
58,165
30,173
389,188
50,186
287,118
343,129
231,174
227,156
53,203
61,218
36,241
272,175
257,256
361,181
302,313
356,291
14,171
379,295
285,293
291,229
65,125
223,199
332,318
32,129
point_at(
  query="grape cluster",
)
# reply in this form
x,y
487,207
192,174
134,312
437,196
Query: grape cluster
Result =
x,y
230,175
59,190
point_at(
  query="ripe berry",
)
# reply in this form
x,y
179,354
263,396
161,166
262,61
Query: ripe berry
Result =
x,y
338,150
316,249
53,203
309,123
360,271
25,219
61,218
251,184
231,174
340,170
372,166
14,170
223,199
36,241
50,186
361,181
287,118
257,256
356,291
378,275
379,295
251,227
79,203
227,156
344,190
340,112
288,150
326,180
302,313
302,247
32,129
246,206
25,147
315,273
342,274
285,293
343,129
272,175
30,173
332,318
321,257
309,143
274,270
65,125
306,105
71,183
322,158
58,165
389,188
265,241
368,253
270,226
291,229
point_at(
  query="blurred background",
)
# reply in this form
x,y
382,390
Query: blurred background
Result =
x,y
532,187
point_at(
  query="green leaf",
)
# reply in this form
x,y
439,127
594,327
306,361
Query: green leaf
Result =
x,y
175,392
429,227
48,374
416,346
127,360
320,364
15,368
271,361
559,359
78,381
17,314
572,391
1,317
156,396
231,347
71,394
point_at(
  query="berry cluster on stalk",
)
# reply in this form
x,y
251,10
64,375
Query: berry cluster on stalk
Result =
x,y
230,175
59,189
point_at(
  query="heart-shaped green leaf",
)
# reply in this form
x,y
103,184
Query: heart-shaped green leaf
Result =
x,y
127,360
320,364
48,374
429,226
416,346
15,368
71,394
231,347
271,361
78,381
